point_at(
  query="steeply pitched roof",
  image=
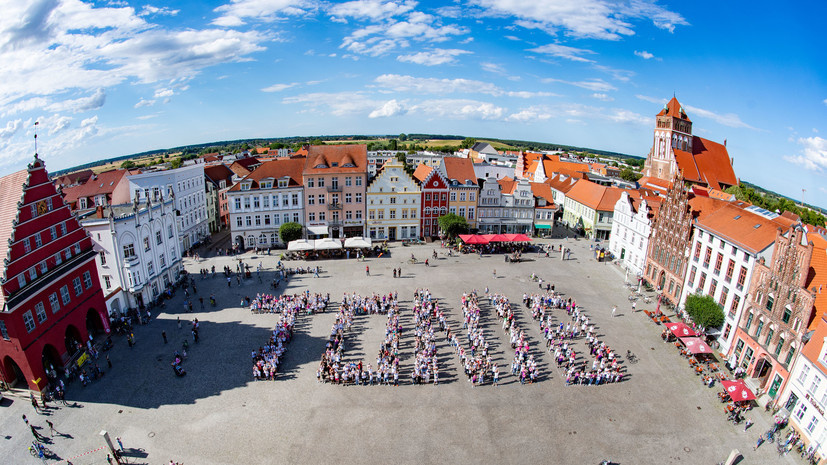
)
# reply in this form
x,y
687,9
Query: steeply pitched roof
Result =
x,y
276,169
507,185
655,184
744,228
218,173
337,159
817,278
100,184
75,178
542,190
563,185
422,171
709,163
11,193
674,108
460,170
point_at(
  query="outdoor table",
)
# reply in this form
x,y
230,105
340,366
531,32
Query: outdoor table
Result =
x,y
722,376
699,370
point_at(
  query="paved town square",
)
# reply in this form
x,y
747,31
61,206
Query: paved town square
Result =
x,y
659,414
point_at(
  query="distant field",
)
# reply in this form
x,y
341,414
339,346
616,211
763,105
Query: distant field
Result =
x,y
457,142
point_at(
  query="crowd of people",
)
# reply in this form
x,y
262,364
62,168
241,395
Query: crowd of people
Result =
x,y
305,302
523,365
267,358
333,368
426,315
560,336
477,362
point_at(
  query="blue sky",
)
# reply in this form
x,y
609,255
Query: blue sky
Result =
x,y
110,78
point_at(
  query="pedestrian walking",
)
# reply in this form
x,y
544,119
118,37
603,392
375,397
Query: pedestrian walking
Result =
x,y
25,420
34,404
367,270
759,442
614,309
495,272
108,362
120,444
634,306
164,335
747,424
51,428
179,322
229,281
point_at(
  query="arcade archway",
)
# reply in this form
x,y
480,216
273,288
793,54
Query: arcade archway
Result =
x,y
52,363
14,375
94,323
73,340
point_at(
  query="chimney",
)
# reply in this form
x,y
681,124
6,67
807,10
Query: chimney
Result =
x,y
99,211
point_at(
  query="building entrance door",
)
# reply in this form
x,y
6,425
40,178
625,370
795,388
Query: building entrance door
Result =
x,y
392,233
776,383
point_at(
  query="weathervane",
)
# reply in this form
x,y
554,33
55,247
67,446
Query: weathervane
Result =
x,y
35,138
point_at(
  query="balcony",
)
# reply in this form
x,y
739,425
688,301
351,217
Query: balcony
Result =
x,y
334,206
334,223
335,188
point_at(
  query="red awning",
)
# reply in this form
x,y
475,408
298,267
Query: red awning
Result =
x,y
520,238
737,390
498,238
465,237
475,239
695,345
681,330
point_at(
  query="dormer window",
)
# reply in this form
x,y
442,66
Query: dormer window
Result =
x,y
320,165
283,182
245,186
334,164
348,165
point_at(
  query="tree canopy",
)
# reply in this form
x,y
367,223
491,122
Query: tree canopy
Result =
x,y
468,143
290,231
452,224
704,311
776,204
627,174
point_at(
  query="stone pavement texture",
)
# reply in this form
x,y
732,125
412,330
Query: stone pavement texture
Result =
x,y
218,415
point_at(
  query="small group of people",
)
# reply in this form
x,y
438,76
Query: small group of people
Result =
x,y
523,365
332,367
305,302
266,360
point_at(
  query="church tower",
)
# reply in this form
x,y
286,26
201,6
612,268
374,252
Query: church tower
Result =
x,y
673,131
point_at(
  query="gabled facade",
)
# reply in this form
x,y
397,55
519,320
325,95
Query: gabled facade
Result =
x,y
335,179
51,298
221,178
393,202
434,201
107,188
544,208
631,227
778,313
506,206
589,208
264,200
463,189
137,252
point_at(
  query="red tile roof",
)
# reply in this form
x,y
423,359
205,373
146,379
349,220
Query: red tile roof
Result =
x,y
11,192
817,278
709,163
276,169
595,196
75,178
742,227
219,172
563,185
422,171
460,170
656,184
542,190
100,184
674,108
507,185
322,158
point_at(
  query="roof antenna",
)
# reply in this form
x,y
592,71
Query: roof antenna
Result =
x,y
35,138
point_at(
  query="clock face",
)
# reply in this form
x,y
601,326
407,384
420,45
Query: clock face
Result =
x,y
41,207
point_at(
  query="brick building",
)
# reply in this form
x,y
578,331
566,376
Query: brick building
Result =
x,y
434,201
50,294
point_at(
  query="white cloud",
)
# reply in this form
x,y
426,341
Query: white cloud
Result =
x,y
371,9
385,36
579,112
493,68
824,101
813,156
582,18
434,57
144,103
390,108
92,102
602,97
149,10
11,128
401,83
617,74
644,54
727,119
235,13
459,109
565,52
163,93
279,87
337,103
530,114
596,85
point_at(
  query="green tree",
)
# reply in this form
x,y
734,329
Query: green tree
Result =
x,y
453,225
290,231
704,311
392,144
276,145
628,175
176,163
317,142
403,137
128,164
468,143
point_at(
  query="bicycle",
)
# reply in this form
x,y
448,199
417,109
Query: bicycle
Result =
x,y
412,261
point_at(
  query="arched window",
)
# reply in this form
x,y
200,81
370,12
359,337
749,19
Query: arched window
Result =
x,y
443,211
251,241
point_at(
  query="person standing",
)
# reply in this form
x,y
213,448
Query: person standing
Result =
x,y
108,362
34,404
367,270
164,335
120,444
51,428
614,309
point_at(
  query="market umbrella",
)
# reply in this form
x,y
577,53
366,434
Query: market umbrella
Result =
x,y
695,345
520,238
498,238
465,237
680,329
300,244
477,239
328,244
358,242
737,390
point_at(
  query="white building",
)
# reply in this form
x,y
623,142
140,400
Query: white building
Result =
x,y
138,251
631,226
393,204
725,247
265,199
506,206
187,186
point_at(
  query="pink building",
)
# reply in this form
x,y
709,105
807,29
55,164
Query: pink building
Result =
x,y
335,178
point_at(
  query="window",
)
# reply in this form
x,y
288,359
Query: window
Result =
x,y
770,302
147,246
348,181
358,196
62,229
310,216
718,261
322,217
804,372
724,294
380,214
348,197
802,409
256,202
749,321
730,269
758,329
169,228
87,279
40,311
4,331
787,314
248,220
393,200
29,321
150,268
702,281
53,302
742,278
736,299
392,214
697,251
65,298
237,203
470,213
53,232
712,288
358,182
814,384
427,196
812,425
311,199
770,334
38,241
78,288
321,200
266,201
27,245
708,256
790,356
239,222
321,182
258,220
692,273
453,196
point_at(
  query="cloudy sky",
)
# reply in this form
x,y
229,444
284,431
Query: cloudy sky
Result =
x,y
110,78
